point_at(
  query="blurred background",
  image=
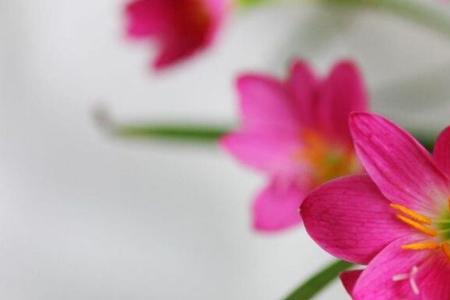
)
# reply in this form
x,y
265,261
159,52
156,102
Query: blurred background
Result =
x,y
84,215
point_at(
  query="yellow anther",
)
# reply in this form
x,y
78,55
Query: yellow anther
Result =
x,y
426,245
417,226
446,249
411,214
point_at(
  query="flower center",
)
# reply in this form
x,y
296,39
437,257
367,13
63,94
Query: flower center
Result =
x,y
438,230
326,160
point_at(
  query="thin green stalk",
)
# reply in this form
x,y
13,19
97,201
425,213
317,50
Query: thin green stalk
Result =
x,y
319,281
178,132
194,132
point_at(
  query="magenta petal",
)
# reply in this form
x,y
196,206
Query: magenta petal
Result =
x,y
174,51
276,207
350,218
303,85
397,163
342,92
265,104
433,278
179,28
388,274
442,151
146,17
349,279
264,151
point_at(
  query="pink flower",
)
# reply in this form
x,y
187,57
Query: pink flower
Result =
x,y
396,219
296,132
179,27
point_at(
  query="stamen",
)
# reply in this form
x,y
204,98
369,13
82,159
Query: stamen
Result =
x,y
413,284
411,214
446,249
411,277
400,277
426,245
418,226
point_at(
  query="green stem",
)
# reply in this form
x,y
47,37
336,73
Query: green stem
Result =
x,y
192,132
319,281
179,132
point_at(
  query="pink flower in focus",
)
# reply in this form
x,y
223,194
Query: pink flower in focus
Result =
x,y
296,132
179,27
396,219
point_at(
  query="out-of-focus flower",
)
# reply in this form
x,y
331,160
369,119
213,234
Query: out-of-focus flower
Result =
x,y
396,219
296,132
180,28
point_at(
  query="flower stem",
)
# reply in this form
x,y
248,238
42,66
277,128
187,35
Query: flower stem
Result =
x,y
178,132
188,131
319,281
185,132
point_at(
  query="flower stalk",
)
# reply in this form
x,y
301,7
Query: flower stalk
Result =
x,y
319,281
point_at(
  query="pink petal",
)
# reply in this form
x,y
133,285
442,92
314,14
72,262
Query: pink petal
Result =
x,y
174,51
264,151
146,17
434,277
349,278
397,163
442,151
179,28
350,218
265,104
276,207
342,92
388,274
303,85
219,9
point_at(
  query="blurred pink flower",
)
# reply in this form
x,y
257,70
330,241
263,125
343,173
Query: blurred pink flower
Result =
x,y
396,219
296,132
180,28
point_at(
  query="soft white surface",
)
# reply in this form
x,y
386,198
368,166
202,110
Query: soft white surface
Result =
x,y
84,216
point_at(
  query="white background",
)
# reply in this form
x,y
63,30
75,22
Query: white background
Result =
x,y
87,216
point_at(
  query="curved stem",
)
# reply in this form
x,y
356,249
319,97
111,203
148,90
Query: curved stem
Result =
x,y
319,281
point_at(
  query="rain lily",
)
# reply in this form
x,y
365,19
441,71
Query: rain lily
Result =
x,y
395,219
179,27
296,132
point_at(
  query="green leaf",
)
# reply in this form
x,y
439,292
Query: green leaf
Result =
x,y
319,281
